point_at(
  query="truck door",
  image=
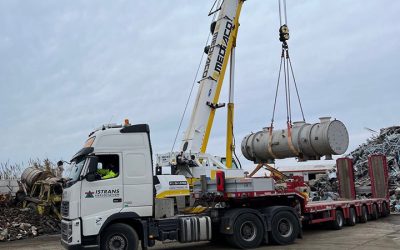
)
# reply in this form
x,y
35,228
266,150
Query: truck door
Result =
x,y
138,182
102,197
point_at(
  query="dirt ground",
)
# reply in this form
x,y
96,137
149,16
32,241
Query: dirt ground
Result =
x,y
381,234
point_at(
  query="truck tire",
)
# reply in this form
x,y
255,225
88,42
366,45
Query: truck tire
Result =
x,y
20,196
248,232
338,222
351,221
364,214
119,236
375,213
284,228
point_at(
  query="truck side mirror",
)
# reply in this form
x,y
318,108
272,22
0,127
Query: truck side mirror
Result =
x,y
92,167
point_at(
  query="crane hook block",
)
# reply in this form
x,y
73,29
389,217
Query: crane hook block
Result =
x,y
284,33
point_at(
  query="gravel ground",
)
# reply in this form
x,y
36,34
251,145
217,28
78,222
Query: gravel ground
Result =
x,y
381,234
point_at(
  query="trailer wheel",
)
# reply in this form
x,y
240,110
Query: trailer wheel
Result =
x,y
385,210
375,213
119,236
364,214
248,232
284,228
351,221
337,224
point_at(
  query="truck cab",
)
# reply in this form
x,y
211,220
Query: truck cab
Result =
x,y
90,201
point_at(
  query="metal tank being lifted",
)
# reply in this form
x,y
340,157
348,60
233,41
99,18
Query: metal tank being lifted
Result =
x,y
304,141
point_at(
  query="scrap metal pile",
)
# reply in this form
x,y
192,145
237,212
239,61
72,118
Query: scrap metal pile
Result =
x,y
21,223
34,209
324,187
386,143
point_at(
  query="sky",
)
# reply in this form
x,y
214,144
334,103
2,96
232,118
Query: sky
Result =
x,y
67,67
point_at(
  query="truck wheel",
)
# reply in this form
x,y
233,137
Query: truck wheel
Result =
x,y
351,221
337,224
20,196
284,228
364,214
248,232
119,237
375,214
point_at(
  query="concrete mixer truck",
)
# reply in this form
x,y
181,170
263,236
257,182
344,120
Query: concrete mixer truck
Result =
x,y
41,191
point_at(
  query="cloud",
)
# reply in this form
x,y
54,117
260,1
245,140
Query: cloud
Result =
x,y
67,68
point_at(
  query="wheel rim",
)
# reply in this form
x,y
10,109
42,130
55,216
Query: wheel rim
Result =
x,y
285,227
353,216
117,242
248,231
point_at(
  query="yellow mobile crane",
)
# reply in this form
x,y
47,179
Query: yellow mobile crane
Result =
x,y
220,51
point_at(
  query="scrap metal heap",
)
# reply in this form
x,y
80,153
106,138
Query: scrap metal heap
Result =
x,y
16,224
386,143
324,187
39,193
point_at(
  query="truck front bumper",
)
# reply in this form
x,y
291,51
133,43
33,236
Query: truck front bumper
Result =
x,y
78,247
71,233
70,247
71,236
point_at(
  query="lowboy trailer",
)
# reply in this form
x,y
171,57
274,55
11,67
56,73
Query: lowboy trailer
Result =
x,y
347,210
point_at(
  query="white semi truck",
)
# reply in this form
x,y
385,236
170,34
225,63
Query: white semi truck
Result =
x,y
118,212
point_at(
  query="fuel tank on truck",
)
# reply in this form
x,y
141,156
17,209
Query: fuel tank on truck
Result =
x,y
307,142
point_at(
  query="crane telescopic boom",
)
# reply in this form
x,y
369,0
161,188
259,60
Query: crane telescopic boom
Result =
x,y
223,35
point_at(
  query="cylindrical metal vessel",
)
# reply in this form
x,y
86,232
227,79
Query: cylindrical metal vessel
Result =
x,y
307,142
32,175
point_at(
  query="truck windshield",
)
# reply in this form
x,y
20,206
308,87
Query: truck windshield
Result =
x,y
76,168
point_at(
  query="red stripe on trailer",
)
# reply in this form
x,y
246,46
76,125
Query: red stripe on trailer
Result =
x,y
322,220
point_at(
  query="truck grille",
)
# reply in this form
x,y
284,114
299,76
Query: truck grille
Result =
x,y
65,208
64,231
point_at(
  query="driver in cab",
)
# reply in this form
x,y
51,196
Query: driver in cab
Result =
x,y
110,171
